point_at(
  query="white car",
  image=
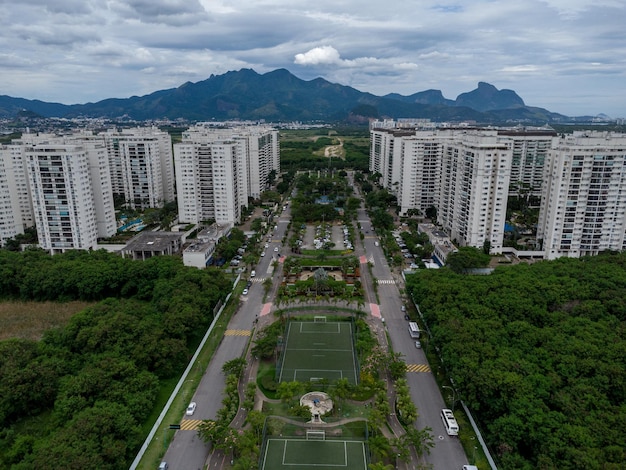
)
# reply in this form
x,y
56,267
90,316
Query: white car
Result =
x,y
375,243
267,245
245,292
262,253
418,345
191,408
276,249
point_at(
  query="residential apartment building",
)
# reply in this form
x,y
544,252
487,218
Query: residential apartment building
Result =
x,y
141,166
530,150
469,173
16,210
465,173
71,192
219,167
583,203
472,200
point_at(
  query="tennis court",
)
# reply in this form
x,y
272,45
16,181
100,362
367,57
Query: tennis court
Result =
x,y
304,454
318,351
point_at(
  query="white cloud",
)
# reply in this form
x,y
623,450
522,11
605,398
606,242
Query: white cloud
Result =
x,y
319,55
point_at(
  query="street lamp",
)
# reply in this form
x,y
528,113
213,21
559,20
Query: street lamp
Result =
x,y
453,395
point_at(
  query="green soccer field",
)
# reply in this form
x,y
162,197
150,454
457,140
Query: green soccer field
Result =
x,y
311,455
316,351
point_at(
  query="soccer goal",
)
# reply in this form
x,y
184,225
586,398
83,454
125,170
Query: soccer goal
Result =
x,y
319,319
315,435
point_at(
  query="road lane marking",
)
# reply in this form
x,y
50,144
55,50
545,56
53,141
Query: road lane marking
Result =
x,y
190,424
237,333
417,368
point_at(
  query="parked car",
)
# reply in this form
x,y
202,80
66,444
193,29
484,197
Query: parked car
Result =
x,y
406,317
248,284
191,408
245,292
276,248
403,308
267,245
418,345
262,253
163,466
253,273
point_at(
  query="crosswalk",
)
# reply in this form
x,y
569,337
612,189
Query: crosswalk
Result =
x,y
237,333
417,368
190,424
257,280
385,281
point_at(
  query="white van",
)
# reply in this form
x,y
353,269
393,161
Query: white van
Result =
x,y
253,273
469,467
449,422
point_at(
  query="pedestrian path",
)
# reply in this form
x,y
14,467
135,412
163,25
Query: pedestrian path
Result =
x,y
266,308
375,309
237,333
257,280
385,281
417,368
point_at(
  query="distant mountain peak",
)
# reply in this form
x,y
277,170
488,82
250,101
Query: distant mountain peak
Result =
x,y
487,97
281,96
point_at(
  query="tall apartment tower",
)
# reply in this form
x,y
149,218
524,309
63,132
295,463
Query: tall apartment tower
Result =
x,y
583,204
476,170
530,150
210,181
421,159
141,166
218,168
16,210
386,155
71,193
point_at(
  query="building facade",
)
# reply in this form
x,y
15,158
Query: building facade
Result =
x,y
16,209
474,187
141,166
464,173
71,193
583,203
218,168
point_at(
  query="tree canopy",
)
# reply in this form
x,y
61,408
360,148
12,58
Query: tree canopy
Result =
x,y
538,352
90,385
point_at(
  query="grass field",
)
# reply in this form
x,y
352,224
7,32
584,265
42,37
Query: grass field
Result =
x,y
312,455
29,320
318,351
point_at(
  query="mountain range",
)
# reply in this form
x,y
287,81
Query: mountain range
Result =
x,y
281,96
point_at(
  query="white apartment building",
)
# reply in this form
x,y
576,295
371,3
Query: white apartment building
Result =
x,y
71,193
16,210
530,150
209,181
470,173
218,168
474,186
141,166
583,203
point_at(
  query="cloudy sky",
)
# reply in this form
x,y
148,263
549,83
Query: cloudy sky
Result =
x,y
568,56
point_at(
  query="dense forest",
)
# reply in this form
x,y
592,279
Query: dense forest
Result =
x,y
78,398
538,353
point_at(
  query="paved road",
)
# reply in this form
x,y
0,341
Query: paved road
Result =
x,y
188,452
448,452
